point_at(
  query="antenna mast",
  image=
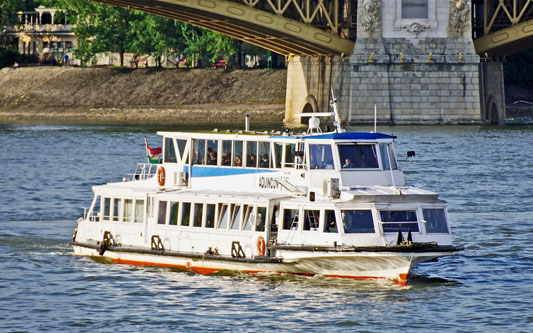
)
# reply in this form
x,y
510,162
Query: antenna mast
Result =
x,y
337,122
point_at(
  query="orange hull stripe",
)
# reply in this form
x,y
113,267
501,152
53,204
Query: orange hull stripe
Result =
x,y
206,270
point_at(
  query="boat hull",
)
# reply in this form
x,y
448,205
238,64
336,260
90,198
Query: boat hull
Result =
x,y
355,265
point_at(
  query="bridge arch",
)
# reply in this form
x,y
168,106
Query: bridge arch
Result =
x,y
310,106
244,22
506,41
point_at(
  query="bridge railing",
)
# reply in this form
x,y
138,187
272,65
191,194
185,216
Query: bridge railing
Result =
x,y
332,15
493,15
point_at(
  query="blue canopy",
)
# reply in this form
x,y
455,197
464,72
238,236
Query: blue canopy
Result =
x,y
352,136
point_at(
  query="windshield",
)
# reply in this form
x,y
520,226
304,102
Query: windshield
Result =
x,y
354,156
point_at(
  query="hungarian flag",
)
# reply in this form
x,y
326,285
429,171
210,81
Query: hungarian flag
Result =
x,y
152,154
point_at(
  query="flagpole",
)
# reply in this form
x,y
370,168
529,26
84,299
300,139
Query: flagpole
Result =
x,y
146,150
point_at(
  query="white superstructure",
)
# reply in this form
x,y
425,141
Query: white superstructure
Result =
x,y
333,204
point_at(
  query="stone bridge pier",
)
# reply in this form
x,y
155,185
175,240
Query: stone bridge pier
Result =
x,y
415,60
492,92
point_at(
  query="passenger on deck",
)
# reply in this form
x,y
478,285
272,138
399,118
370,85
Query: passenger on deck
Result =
x,y
252,161
226,159
211,157
348,164
264,161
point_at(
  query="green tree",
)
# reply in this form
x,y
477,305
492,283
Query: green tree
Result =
x,y
8,16
157,37
201,43
104,28
100,28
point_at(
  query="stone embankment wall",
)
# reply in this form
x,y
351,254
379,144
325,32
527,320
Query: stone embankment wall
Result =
x,y
158,96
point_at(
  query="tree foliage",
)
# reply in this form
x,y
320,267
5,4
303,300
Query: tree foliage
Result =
x,y
8,57
103,28
8,16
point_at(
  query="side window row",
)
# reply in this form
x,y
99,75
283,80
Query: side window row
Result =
x,y
222,216
249,154
353,221
108,209
311,220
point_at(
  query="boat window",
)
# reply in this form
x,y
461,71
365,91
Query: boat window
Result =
x,y
311,219
264,154
290,150
248,218
170,152
162,214
260,219
354,156
236,217
251,154
198,212
290,219
127,216
116,207
237,153
139,211
210,216
357,221
185,213
386,151
226,153
278,151
395,219
174,213
212,152
223,217
330,223
107,209
198,148
181,146
321,156
435,221
95,209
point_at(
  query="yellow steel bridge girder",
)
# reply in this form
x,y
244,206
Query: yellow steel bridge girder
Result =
x,y
265,29
506,41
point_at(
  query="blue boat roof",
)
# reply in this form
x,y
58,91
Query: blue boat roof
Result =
x,y
349,136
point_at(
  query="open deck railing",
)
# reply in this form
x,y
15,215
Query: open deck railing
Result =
x,y
143,171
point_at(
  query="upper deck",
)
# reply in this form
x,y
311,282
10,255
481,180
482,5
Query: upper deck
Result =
x,y
321,163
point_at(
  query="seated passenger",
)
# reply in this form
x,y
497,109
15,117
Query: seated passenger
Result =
x,y
226,159
211,157
348,164
238,161
264,161
252,161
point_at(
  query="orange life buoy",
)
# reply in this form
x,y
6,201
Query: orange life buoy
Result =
x,y
161,176
261,246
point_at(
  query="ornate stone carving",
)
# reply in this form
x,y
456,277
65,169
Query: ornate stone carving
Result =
x,y
459,15
370,11
415,28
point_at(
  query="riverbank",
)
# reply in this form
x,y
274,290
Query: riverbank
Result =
x,y
141,96
213,97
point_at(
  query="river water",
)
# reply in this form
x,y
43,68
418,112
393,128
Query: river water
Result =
x,y
485,174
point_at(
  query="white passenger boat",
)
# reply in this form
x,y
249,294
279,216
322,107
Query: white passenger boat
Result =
x,y
331,204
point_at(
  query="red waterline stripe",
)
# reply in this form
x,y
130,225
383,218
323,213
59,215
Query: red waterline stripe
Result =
x,y
402,278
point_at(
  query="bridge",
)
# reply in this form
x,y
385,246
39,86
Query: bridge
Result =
x,y
420,61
